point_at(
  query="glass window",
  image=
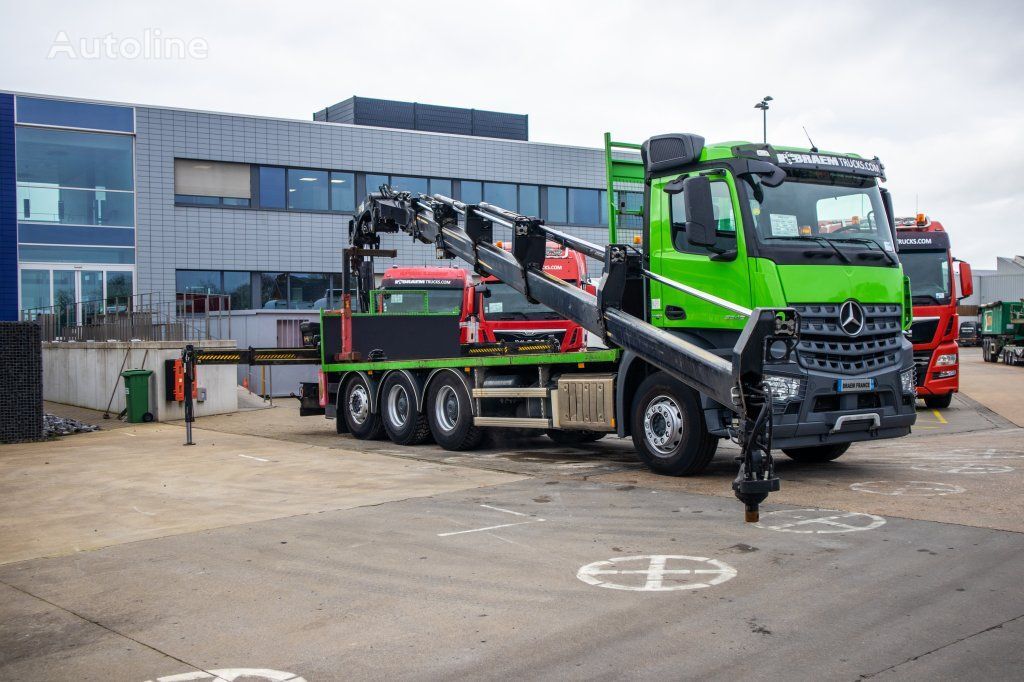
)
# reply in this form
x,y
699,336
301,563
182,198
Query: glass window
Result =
x,y
212,178
75,114
274,290
307,189
441,186
119,290
197,282
583,207
529,200
929,276
415,185
373,182
724,217
501,194
66,158
89,236
556,205
234,201
75,206
35,289
238,285
271,187
343,192
75,254
196,200
306,289
63,287
471,192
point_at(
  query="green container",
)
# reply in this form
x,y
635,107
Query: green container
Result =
x,y
998,319
136,395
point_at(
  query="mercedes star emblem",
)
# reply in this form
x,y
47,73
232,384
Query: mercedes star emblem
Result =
x,y
851,318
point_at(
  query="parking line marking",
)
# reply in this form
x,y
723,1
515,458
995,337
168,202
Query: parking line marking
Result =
x,y
507,511
942,420
259,459
478,530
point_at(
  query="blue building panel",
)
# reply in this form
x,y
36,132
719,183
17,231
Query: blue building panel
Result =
x,y
57,112
29,233
8,213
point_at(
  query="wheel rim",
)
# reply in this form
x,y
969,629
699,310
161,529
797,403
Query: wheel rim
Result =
x,y
398,405
446,408
359,404
663,425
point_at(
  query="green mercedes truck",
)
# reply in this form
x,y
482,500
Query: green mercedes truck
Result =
x,y
748,291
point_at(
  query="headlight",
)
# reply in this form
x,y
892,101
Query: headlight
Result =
x,y
783,389
908,380
945,360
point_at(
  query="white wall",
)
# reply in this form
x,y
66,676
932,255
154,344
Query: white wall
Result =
x,y
85,374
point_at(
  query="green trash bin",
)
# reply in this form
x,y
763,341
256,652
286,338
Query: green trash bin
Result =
x,y
136,395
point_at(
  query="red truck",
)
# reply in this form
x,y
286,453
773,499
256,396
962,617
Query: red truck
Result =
x,y
492,311
927,261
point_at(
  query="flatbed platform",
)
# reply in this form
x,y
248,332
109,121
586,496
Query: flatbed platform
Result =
x,y
584,357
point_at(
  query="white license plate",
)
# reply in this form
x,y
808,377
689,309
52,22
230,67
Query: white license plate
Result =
x,y
855,385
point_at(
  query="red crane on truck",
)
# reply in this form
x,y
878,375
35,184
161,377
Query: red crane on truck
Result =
x,y
925,254
492,311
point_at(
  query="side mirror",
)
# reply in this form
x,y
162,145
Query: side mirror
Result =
x,y
700,211
966,280
486,292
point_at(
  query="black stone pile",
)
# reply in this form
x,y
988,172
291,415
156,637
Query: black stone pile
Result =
x,y
64,426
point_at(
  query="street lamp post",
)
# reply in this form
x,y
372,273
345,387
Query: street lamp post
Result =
x,y
763,106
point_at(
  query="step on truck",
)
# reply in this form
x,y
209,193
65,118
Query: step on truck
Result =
x,y
927,261
761,301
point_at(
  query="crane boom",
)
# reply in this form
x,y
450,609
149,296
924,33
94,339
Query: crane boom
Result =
x,y
616,312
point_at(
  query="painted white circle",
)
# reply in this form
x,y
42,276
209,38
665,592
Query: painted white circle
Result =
x,y
656,573
818,521
907,488
231,674
964,468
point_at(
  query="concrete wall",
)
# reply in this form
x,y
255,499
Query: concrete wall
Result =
x,y
85,374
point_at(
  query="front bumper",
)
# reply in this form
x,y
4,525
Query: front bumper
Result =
x,y
821,415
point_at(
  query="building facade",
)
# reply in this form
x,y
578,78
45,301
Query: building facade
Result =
x,y
101,200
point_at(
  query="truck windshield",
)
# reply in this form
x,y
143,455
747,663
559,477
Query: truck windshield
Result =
x,y
817,205
929,275
505,303
438,301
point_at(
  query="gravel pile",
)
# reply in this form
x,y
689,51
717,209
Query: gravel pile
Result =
x,y
64,426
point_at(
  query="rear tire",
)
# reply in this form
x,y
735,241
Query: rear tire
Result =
x,y
362,423
403,422
938,402
450,414
817,453
574,437
669,432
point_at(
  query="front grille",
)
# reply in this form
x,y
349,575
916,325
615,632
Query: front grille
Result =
x,y
923,331
922,359
533,335
825,347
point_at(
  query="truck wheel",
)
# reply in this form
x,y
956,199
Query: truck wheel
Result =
x,y
361,422
450,414
938,402
669,432
817,453
403,422
574,437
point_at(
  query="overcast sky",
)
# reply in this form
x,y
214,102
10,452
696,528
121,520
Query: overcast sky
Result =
x,y
933,88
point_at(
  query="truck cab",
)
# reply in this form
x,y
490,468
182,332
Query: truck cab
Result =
x,y
765,226
504,314
927,261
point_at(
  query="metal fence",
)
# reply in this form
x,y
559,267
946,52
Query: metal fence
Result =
x,y
142,317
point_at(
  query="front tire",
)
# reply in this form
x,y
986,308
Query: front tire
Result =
x,y
403,422
361,421
669,432
817,454
450,414
938,402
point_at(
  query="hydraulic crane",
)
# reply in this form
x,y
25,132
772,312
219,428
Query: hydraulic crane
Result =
x,y
615,313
